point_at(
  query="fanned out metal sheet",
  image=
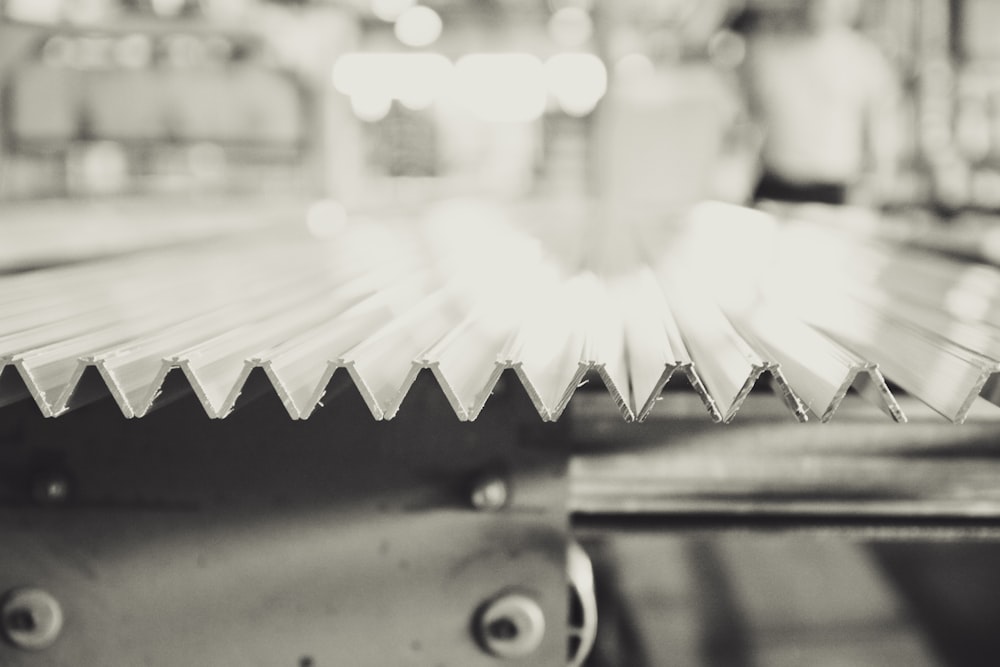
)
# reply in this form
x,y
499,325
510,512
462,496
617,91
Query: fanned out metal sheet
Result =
x,y
37,233
725,300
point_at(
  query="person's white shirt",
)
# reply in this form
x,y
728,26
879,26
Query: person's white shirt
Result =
x,y
825,100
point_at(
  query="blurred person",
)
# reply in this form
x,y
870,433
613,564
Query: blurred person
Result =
x,y
825,97
673,127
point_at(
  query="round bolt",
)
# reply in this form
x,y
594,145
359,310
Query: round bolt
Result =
x,y
31,619
511,626
50,488
490,493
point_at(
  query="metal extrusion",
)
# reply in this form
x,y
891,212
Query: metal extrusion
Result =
x,y
819,313
821,370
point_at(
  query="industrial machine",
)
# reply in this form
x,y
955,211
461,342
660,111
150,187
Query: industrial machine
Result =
x,y
275,391
310,439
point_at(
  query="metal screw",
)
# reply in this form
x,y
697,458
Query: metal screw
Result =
x,y
490,493
31,619
511,626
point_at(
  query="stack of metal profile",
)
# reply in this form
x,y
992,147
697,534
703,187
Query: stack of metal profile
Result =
x,y
721,300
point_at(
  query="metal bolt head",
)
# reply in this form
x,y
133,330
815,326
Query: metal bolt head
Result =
x,y
511,626
490,493
30,618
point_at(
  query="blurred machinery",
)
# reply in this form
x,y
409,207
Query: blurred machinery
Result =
x,y
269,430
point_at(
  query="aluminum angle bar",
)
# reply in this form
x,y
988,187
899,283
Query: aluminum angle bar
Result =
x,y
604,348
968,291
301,367
217,368
36,234
387,362
820,370
727,364
137,369
654,346
79,303
942,374
978,336
51,370
52,358
470,359
547,351
465,362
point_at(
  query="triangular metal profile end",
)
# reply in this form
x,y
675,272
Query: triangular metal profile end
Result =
x,y
741,396
785,392
988,388
869,383
780,386
479,402
530,390
432,368
413,377
170,385
90,383
991,388
41,400
620,395
595,372
13,388
641,412
284,393
690,374
257,379
214,409
461,411
578,379
341,375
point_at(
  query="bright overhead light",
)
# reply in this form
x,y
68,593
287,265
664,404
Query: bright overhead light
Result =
x,y
571,27
501,87
420,79
371,106
418,26
390,10
417,80
350,71
577,81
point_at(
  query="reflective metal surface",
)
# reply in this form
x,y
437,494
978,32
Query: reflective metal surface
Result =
x,y
723,299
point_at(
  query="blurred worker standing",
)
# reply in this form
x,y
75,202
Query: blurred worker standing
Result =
x,y
826,98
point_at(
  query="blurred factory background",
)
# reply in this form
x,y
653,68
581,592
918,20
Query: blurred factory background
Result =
x,y
395,100
368,106
398,101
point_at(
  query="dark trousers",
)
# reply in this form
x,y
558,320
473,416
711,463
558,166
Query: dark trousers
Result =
x,y
777,188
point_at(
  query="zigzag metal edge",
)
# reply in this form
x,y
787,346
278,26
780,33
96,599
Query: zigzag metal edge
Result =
x,y
17,383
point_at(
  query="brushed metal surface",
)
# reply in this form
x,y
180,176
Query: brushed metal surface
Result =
x,y
259,540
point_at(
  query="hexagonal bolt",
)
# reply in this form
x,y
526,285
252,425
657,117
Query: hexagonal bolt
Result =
x,y
490,493
512,626
30,618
